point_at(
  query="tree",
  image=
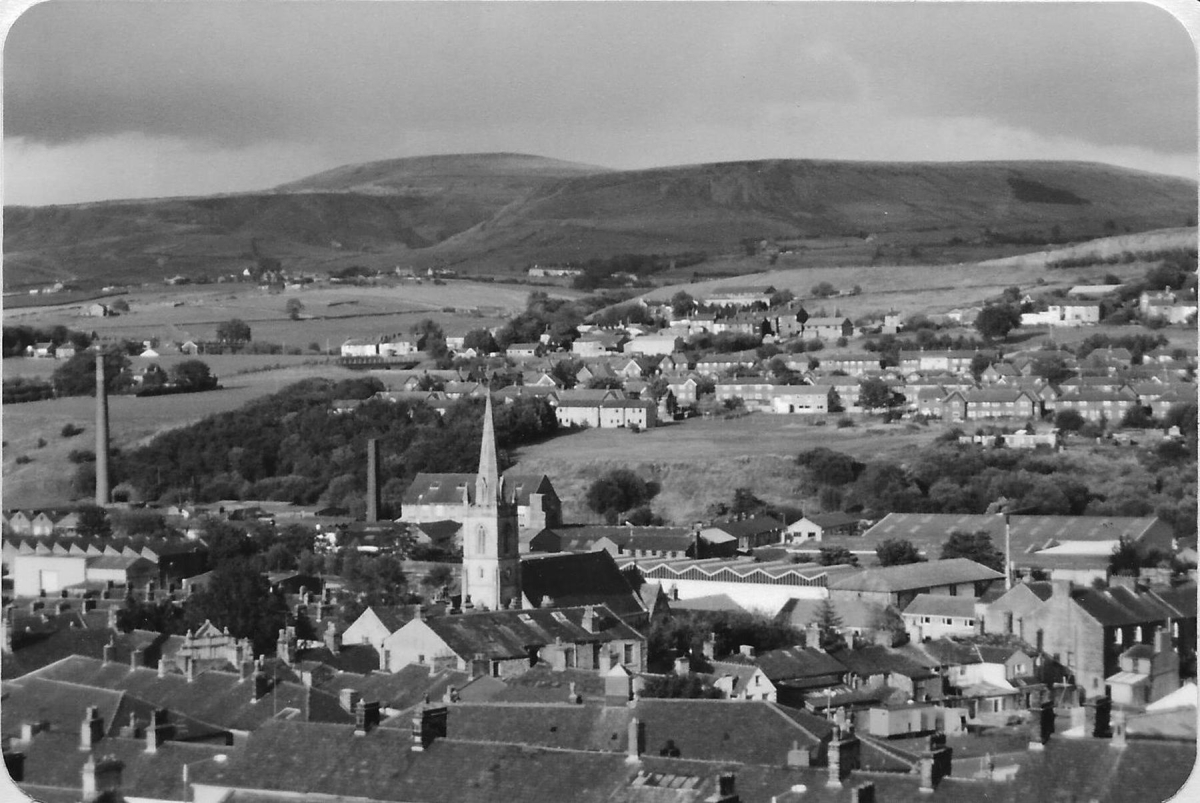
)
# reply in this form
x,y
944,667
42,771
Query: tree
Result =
x,y
234,333
93,522
1069,420
823,290
835,555
829,624
77,376
481,340
239,597
976,546
377,580
995,321
875,394
682,304
829,467
193,374
1051,366
897,552
294,307
616,492
438,578
1136,417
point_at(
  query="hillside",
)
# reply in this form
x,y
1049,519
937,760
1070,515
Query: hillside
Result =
x,y
715,207
501,211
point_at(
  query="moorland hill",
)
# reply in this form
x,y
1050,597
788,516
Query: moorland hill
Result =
x,y
500,212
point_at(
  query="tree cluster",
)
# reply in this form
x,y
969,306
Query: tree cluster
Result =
x,y
291,447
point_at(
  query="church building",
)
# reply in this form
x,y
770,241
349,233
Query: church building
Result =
x,y
491,575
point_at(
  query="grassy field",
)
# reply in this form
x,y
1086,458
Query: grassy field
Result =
x,y
910,289
700,461
332,313
46,479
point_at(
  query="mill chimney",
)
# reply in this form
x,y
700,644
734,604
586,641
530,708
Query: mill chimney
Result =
x,y
373,480
102,490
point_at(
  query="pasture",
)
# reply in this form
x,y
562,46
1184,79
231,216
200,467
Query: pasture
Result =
x,y
331,313
46,479
700,461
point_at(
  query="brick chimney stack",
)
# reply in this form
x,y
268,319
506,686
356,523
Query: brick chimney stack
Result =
x,y
635,741
428,723
137,658
101,776
92,730
588,622
1042,726
158,731
107,652
844,751
726,789
935,763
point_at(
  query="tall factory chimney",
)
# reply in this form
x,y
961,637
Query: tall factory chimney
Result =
x,y
102,491
373,480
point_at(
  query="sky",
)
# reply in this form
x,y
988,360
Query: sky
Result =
x,y
114,99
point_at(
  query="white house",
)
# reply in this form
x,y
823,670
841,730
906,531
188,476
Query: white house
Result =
x,y
935,616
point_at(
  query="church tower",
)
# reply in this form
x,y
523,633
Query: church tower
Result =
x,y
491,556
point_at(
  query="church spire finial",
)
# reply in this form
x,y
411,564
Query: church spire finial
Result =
x,y
488,485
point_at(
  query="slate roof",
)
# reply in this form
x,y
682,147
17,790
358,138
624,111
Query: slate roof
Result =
x,y
63,706
218,699
53,759
710,602
399,690
589,578
748,526
1123,606
447,489
875,660
791,663
929,531
511,633
540,684
929,574
854,613
941,605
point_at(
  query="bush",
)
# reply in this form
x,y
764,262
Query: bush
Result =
x,y
70,430
82,456
23,459
845,423
41,443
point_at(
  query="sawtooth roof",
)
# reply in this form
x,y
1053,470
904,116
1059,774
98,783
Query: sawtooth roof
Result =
x,y
929,574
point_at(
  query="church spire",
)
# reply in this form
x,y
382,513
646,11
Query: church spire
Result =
x,y
487,486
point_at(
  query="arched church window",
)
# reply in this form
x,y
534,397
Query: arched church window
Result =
x,y
480,539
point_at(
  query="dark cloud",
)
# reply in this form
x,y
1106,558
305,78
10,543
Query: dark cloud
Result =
x,y
369,80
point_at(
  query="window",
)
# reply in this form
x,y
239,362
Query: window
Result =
x,y
947,621
495,669
628,654
421,658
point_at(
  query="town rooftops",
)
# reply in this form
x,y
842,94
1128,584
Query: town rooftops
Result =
x,y
219,699
448,489
588,578
930,574
512,633
928,531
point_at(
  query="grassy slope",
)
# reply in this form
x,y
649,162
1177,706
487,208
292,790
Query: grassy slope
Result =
x,y
46,480
483,217
331,312
701,461
713,207
937,288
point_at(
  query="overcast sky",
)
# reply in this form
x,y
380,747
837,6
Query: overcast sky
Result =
x,y
115,99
